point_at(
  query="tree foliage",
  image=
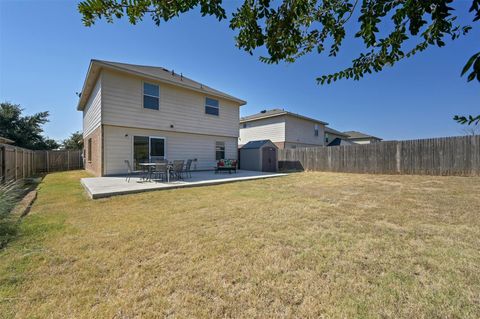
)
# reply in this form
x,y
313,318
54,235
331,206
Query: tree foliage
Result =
x,y
74,142
390,30
25,130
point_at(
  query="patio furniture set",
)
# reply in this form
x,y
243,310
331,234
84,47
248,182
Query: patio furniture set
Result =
x,y
160,170
164,171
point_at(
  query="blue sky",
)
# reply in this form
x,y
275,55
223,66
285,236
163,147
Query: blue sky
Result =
x,y
45,51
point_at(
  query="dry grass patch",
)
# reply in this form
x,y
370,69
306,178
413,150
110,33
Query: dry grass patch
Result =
x,y
306,245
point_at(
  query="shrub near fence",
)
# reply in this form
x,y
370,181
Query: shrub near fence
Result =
x,y
17,163
438,156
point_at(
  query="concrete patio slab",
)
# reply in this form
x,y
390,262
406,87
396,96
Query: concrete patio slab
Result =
x,y
99,187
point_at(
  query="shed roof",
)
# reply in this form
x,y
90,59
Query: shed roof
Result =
x,y
256,144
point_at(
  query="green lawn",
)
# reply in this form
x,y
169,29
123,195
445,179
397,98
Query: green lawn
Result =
x,y
305,245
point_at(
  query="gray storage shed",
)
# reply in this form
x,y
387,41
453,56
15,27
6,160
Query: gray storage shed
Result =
x,y
259,156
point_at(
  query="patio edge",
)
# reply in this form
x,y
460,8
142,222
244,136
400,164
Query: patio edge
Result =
x,y
198,184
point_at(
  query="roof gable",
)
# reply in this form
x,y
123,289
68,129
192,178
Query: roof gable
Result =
x,y
257,144
159,74
360,135
275,113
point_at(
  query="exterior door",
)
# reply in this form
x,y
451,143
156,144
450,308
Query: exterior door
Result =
x,y
269,159
148,149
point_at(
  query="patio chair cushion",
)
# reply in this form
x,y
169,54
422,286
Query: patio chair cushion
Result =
x,y
227,163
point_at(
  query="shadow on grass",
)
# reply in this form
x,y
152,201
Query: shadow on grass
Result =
x,y
11,193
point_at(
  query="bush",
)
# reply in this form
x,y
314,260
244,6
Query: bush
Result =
x,y
10,195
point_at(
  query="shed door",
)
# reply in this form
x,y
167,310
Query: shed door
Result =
x,y
269,159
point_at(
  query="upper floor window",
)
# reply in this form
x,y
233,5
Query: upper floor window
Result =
x,y
151,96
316,130
326,137
211,106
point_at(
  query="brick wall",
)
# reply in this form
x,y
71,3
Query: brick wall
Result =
x,y
94,165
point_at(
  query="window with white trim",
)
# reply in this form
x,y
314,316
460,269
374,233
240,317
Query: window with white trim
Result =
x,y
212,106
219,150
151,96
316,130
89,152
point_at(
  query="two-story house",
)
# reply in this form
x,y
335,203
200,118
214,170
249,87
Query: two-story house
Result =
x,y
285,129
336,138
142,113
361,138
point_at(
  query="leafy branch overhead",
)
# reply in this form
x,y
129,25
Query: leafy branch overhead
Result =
x,y
390,30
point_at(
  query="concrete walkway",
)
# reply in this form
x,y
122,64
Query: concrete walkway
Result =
x,y
98,187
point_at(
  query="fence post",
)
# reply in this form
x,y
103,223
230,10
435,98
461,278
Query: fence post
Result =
x,y
15,150
3,170
398,157
68,160
23,163
47,160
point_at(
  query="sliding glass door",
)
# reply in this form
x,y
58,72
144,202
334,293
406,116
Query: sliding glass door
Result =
x,y
148,149
157,148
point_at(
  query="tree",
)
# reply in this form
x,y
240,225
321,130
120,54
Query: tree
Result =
x,y
74,142
471,130
294,28
26,131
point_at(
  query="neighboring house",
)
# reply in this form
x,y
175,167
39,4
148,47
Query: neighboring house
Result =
x,y
361,138
335,138
285,129
141,113
4,140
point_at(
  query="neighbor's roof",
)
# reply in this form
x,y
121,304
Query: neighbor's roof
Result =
x,y
5,140
154,73
256,144
331,130
339,142
277,112
359,135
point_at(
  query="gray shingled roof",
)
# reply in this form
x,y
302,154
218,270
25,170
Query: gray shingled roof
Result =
x,y
157,73
277,112
255,144
357,135
333,131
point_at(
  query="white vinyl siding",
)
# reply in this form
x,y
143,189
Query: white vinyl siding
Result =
x,y
181,110
92,113
265,129
301,132
118,147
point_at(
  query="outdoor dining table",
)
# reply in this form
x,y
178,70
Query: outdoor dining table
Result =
x,y
150,165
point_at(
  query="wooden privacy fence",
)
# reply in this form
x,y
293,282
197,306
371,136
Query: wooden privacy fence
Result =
x,y
438,156
54,161
17,163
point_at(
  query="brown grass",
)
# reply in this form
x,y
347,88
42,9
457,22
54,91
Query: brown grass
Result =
x,y
307,245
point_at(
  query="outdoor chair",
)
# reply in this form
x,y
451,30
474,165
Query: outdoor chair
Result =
x,y
178,169
188,171
131,171
161,170
226,165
